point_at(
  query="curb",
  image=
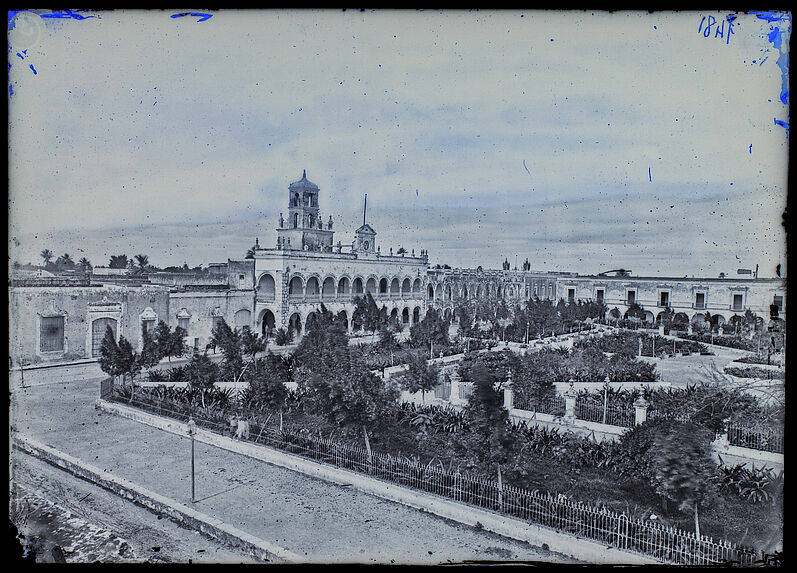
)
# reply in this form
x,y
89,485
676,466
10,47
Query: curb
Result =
x,y
570,545
159,504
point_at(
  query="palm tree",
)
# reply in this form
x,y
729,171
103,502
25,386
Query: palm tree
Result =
x,y
143,262
65,260
47,255
84,265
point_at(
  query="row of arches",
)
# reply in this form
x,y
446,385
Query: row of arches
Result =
x,y
446,291
331,287
696,319
298,321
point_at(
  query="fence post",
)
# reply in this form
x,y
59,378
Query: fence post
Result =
x,y
454,396
508,394
570,404
640,410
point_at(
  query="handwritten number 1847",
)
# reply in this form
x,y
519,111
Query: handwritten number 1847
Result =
x,y
707,23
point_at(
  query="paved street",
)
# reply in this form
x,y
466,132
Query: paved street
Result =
x,y
324,522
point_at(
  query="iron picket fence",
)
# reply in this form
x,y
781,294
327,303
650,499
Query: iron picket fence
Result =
x,y
646,537
761,438
615,415
756,438
554,405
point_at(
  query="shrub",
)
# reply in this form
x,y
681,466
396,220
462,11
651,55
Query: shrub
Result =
x,y
753,372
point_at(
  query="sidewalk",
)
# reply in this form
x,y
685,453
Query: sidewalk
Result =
x,y
323,522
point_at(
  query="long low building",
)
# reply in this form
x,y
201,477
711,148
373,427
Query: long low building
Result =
x,y
696,299
58,318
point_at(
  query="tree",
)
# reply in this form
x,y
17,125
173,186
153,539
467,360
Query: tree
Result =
x,y
421,375
267,386
119,359
533,377
387,339
350,395
65,261
169,342
282,336
150,353
229,341
431,330
109,354
489,438
202,373
251,344
635,313
118,262
684,466
324,344
143,263
47,256
84,265
367,313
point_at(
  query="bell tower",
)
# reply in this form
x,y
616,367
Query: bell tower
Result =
x,y
304,229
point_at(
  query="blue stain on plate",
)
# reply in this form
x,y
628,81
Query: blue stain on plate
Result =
x,y
68,14
775,37
202,17
650,175
34,69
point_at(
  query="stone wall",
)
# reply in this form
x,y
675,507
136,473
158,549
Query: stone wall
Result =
x,y
79,306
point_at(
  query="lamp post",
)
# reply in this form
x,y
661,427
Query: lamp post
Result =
x,y
191,432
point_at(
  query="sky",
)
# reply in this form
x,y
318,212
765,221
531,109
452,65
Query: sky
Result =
x,y
583,141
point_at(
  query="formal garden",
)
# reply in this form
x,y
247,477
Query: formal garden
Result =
x,y
345,411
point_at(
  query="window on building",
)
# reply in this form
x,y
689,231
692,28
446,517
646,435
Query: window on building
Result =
x,y
52,334
631,297
737,302
778,301
700,300
664,298
571,294
147,327
216,321
183,323
599,295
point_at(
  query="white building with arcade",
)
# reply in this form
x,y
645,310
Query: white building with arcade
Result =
x,y
307,268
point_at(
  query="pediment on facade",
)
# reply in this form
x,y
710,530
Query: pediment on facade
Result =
x,y
148,314
52,310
